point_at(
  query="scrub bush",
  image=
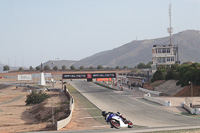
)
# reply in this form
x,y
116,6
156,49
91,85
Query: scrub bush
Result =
x,y
36,97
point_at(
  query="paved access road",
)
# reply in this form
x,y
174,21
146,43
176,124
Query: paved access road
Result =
x,y
139,112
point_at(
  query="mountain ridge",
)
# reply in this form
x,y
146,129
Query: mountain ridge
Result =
x,y
135,52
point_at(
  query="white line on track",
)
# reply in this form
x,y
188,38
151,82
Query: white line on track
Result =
x,y
123,101
102,126
85,108
91,117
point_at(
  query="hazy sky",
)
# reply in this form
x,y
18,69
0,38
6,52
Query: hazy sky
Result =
x,y
35,31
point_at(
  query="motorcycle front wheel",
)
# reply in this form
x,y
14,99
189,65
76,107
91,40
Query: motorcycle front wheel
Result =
x,y
115,123
130,124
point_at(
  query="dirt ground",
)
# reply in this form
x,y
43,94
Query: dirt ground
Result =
x,y
15,116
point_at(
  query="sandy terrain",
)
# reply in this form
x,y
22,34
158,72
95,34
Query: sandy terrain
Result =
x,y
13,112
15,116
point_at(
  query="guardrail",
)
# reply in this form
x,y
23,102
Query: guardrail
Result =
x,y
156,100
150,91
193,111
62,123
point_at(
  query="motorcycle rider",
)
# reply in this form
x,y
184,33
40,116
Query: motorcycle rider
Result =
x,y
105,114
109,115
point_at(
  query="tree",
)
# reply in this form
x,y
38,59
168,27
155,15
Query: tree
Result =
x,y
31,68
99,67
37,68
188,73
55,68
21,68
158,75
72,67
64,67
161,67
117,67
149,64
125,67
6,68
81,68
141,66
183,73
46,67
91,68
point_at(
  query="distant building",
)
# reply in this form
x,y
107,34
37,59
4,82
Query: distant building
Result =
x,y
166,55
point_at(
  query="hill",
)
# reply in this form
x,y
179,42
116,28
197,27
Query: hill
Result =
x,y
136,51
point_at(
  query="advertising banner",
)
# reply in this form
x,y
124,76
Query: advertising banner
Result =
x,y
24,77
74,76
89,76
104,75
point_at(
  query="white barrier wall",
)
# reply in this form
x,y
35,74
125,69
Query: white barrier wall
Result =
x,y
150,91
197,111
64,122
194,111
159,101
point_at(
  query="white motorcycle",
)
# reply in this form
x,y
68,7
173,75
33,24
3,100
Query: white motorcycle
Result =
x,y
116,120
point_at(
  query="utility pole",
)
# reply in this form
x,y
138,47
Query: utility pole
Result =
x,y
52,105
191,87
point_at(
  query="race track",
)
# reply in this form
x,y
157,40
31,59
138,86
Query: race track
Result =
x,y
139,112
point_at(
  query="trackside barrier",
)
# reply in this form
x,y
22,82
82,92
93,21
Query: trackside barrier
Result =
x,y
150,91
197,111
194,111
159,101
111,86
64,122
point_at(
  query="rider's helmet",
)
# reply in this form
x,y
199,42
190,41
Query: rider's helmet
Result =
x,y
118,113
104,113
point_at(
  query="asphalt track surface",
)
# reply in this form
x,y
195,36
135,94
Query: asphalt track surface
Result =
x,y
139,112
